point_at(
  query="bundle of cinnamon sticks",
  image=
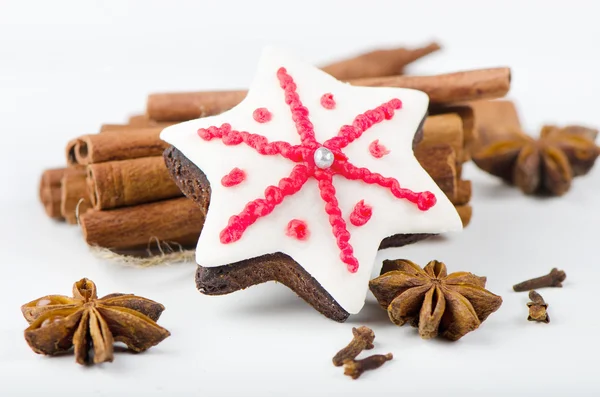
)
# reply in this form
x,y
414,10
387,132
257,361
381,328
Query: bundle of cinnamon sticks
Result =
x,y
117,187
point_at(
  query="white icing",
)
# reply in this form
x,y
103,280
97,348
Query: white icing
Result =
x,y
319,254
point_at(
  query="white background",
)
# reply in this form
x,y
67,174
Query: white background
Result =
x,y
67,67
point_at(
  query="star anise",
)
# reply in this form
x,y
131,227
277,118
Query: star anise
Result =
x,y
543,166
58,323
438,303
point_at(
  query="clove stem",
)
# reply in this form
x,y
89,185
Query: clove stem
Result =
x,y
552,279
355,368
536,298
362,340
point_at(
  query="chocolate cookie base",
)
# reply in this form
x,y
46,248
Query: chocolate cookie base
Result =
x,y
278,267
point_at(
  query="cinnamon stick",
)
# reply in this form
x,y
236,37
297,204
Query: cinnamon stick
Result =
x,y
50,183
116,145
464,190
465,212
70,151
442,89
470,133
143,121
74,191
185,106
451,87
439,161
112,127
444,129
494,120
177,220
378,63
138,120
123,183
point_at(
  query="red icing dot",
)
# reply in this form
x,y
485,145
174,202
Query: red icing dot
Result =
x,y
235,177
262,115
361,213
378,150
426,200
327,101
297,229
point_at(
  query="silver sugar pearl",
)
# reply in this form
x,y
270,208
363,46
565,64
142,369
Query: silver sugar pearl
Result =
x,y
323,157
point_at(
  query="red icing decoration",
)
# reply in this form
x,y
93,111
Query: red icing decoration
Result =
x,y
235,177
377,150
297,229
303,154
262,115
361,213
327,101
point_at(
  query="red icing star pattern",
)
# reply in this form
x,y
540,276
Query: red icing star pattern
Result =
x,y
235,177
377,150
262,115
327,101
361,213
305,168
297,229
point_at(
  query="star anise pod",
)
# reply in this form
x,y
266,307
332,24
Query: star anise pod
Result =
x,y
58,323
438,303
543,166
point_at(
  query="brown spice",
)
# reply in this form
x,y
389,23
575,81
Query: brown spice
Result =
x,y
84,321
449,88
465,212
176,221
355,368
552,279
143,121
450,305
70,150
115,184
494,120
442,89
74,194
378,63
464,190
187,106
439,161
116,145
50,184
112,127
444,129
537,308
469,132
543,166
362,340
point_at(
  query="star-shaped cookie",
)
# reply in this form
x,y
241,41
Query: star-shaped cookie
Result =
x,y
314,169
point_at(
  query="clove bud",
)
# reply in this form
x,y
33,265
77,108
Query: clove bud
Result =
x,y
362,340
537,308
355,368
552,279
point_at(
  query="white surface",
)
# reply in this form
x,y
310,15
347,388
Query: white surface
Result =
x,y
319,255
66,68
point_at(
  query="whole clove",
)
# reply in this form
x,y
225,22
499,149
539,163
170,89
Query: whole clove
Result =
x,y
537,308
355,368
362,340
552,279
